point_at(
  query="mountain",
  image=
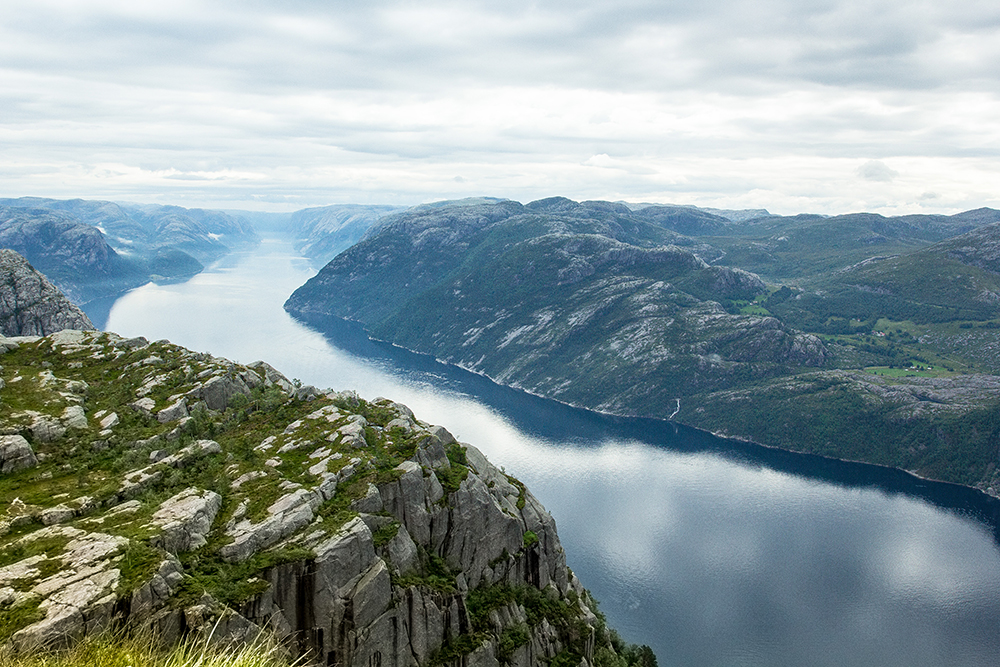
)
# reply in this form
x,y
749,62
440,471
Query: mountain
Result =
x,y
73,255
186,494
742,215
583,302
887,360
30,305
146,231
205,235
955,279
323,233
95,249
797,248
945,427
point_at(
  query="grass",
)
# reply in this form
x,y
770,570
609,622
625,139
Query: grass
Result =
x,y
16,617
120,650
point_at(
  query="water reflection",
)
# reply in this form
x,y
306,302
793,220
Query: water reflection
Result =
x,y
713,552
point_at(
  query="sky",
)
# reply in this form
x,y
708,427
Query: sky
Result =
x,y
824,106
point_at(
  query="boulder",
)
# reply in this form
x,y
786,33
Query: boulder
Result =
x,y
219,390
109,421
47,429
15,454
177,410
58,514
353,432
144,406
185,520
74,417
272,376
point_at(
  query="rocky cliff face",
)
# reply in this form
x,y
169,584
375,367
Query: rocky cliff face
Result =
x,y
29,304
148,483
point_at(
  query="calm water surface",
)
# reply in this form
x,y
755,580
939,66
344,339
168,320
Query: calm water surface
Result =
x,y
713,552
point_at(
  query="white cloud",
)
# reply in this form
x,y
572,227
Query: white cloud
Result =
x,y
876,170
723,102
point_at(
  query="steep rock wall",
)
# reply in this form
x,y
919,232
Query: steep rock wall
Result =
x,y
159,487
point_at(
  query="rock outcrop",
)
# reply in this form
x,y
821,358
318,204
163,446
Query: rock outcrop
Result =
x,y
356,533
15,454
29,304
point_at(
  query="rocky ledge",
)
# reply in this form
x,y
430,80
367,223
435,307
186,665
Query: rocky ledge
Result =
x,y
146,484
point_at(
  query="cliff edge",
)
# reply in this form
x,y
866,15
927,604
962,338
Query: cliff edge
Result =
x,y
147,484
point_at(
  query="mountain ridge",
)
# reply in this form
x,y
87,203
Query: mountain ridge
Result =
x,y
563,299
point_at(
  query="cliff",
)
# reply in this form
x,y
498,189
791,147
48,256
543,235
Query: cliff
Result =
x,y
145,483
29,304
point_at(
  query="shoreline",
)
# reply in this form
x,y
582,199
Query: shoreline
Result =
x,y
743,440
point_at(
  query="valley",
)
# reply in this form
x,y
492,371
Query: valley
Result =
x,y
571,297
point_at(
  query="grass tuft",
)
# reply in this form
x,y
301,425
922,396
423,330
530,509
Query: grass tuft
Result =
x,y
120,650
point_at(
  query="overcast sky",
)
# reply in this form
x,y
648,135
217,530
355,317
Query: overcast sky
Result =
x,y
826,106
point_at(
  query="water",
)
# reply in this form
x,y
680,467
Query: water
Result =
x,y
712,552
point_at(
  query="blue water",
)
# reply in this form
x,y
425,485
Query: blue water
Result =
x,y
713,552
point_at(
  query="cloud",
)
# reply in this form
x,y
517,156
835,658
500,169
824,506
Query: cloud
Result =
x,y
875,170
348,101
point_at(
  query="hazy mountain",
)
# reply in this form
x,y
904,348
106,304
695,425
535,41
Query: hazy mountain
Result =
x,y
322,233
148,232
94,249
73,255
585,302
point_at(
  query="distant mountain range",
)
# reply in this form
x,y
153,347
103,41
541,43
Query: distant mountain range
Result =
x,y
323,233
836,334
92,249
